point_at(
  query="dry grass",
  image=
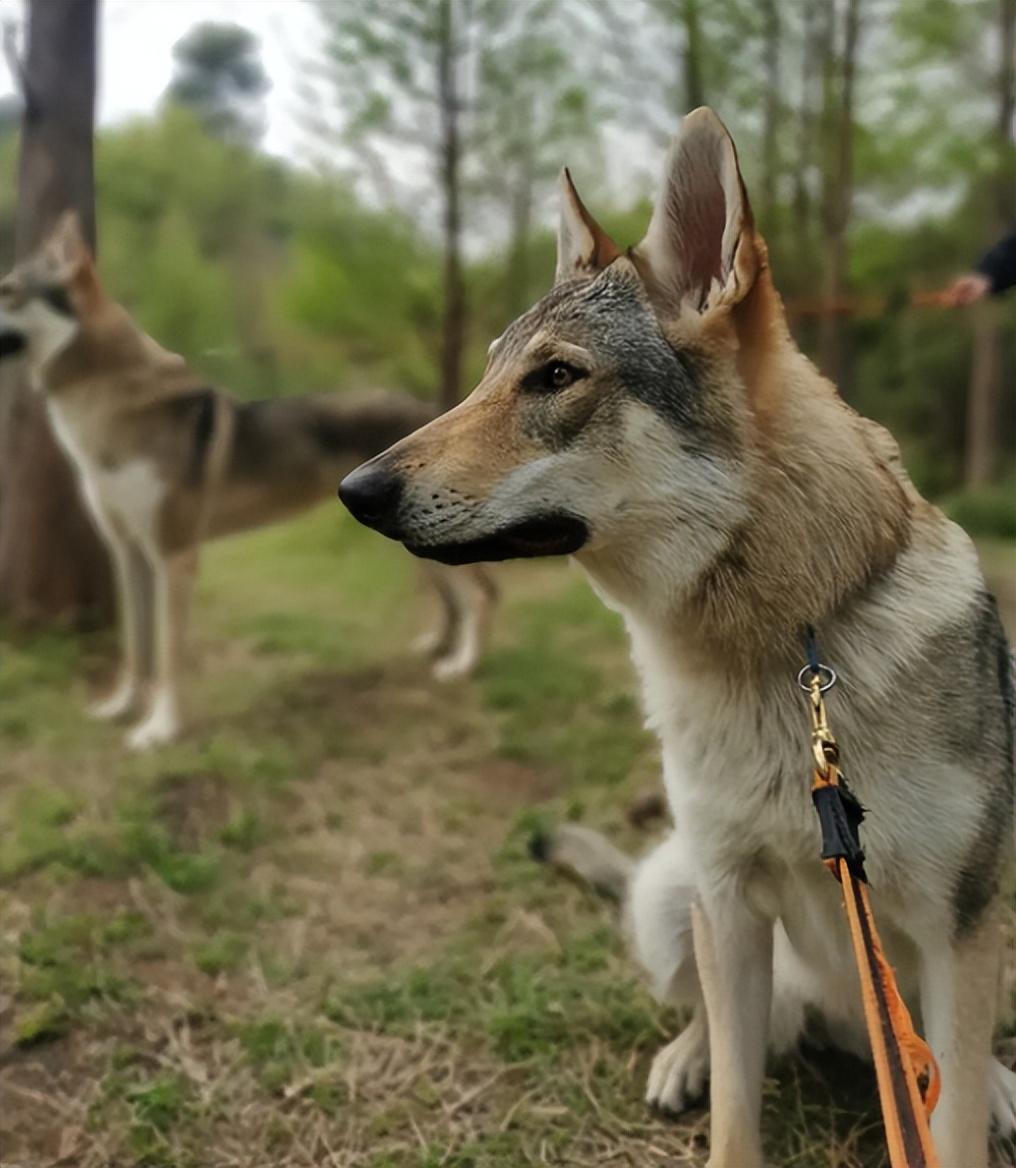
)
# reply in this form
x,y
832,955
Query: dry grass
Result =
x,y
310,934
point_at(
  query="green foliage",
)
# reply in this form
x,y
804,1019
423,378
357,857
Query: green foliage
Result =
x,y
987,511
268,280
366,279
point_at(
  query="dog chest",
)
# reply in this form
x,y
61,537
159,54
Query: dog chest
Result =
x,y
130,492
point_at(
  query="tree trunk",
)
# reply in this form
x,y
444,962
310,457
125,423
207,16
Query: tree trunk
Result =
x,y
1005,188
453,324
52,562
838,198
695,94
982,398
984,393
772,107
806,120
518,277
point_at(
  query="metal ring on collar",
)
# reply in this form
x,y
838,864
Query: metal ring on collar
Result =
x,y
826,675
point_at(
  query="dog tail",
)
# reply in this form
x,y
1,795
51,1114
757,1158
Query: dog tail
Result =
x,y
586,856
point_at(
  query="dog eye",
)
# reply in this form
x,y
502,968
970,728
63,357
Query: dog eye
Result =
x,y
553,376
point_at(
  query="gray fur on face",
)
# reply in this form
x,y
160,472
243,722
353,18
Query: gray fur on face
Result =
x,y
612,318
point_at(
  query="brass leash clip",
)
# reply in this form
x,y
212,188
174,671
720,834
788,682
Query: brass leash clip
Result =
x,y
815,682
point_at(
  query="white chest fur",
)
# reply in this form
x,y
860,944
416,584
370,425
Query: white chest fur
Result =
x,y
737,763
128,494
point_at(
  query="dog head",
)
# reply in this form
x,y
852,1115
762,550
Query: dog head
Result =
x,y
617,406
44,299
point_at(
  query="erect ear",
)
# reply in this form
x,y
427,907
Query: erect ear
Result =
x,y
583,247
66,246
700,244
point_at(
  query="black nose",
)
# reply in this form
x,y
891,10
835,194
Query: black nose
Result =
x,y
12,343
371,493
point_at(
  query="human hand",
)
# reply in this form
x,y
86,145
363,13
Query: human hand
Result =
x,y
967,289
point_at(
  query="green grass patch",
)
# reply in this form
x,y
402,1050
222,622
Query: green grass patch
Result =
x,y
65,963
560,698
524,1005
299,1056
37,835
221,952
149,1109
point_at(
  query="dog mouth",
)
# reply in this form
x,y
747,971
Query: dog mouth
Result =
x,y
544,535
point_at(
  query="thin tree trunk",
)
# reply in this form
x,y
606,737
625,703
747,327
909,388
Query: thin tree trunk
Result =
x,y
521,229
982,398
839,194
695,94
800,260
806,120
984,393
453,325
52,563
1005,188
771,127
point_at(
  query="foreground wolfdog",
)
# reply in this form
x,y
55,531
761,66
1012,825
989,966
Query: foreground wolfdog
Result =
x,y
164,462
652,417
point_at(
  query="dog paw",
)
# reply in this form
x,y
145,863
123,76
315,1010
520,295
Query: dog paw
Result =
x,y
117,705
453,668
156,730
1003,1100
680,1072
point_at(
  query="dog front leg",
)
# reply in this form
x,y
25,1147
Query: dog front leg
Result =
x,y
734,954
173,581
959,994
126,692
473,596
435,641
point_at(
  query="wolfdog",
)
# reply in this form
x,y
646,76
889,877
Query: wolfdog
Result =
x,y
652,417
164,461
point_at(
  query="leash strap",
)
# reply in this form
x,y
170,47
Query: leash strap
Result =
x,y
909,1083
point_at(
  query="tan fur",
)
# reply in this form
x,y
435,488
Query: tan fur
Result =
x,y
475,446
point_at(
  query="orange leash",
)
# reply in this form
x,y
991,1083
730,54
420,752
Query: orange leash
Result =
x,y
909,1083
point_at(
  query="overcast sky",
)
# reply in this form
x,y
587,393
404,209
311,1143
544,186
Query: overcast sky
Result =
x,y
136,62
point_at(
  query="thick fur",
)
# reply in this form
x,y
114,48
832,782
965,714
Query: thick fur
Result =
x,y
165,461
657,894
653,417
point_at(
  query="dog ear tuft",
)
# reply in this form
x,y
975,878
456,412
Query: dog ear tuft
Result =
x,y
583,247
700,242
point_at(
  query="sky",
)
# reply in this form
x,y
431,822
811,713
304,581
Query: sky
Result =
x,y
136,62
136,39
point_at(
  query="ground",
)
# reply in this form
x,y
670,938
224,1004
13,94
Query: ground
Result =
x,y
311,934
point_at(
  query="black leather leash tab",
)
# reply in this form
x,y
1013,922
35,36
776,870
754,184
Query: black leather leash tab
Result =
x,y
841,815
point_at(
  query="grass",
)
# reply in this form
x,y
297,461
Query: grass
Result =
x,y
310,933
